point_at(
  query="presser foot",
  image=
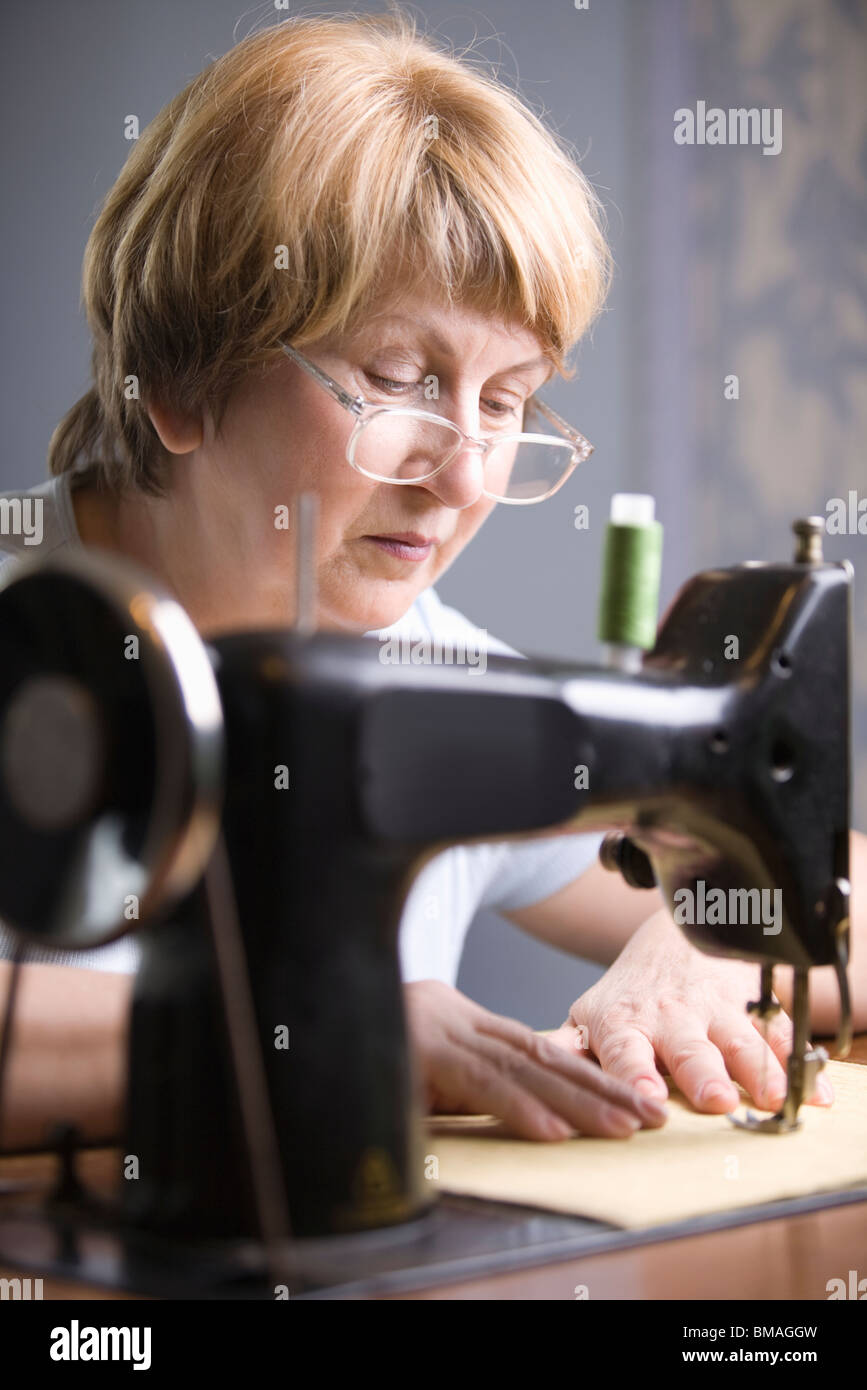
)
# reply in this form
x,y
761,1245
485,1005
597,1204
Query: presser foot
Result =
x,y
802,1072
804,1064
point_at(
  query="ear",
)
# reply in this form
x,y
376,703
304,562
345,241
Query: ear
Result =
x,y
179,433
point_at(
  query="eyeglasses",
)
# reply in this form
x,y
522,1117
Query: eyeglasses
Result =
x,y
397,444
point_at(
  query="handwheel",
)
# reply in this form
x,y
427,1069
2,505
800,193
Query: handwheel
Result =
x,y
111,749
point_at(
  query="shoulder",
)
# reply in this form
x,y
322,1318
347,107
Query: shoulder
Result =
x,y
37,520
430,617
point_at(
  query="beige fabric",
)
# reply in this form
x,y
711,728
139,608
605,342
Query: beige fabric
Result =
x,y
696,1164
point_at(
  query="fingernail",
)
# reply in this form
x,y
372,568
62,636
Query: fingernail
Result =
x,y
559,1129
824,1090
714,1090
653,1109
649,1087
620,1120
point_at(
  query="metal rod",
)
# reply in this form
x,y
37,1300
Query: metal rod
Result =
x,y
307,522
8,1018
260,1130
797,1067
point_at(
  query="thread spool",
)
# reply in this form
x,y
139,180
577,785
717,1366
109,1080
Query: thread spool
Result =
x,y
631,570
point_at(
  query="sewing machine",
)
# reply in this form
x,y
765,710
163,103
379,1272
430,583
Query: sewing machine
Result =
x,y
255,807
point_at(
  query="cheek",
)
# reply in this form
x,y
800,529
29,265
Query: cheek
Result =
x,y
287,431
301,448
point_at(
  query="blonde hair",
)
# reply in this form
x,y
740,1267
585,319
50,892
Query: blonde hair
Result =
x,y
356,146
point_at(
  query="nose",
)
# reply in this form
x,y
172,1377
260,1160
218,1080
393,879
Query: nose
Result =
x,y
461,482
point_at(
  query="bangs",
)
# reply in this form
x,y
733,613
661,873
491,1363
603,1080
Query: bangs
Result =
x,y
446,180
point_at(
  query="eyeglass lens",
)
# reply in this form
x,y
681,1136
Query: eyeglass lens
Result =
x,y
403,446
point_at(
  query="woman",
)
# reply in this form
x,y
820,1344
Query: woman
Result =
x,y
337,207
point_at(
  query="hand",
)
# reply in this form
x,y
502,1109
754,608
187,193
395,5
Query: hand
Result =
x,y
476,1062
665,1004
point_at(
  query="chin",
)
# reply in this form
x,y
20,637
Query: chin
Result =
x,y
379,610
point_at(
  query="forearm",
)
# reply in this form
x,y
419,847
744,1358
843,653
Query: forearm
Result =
x,y
592,917
68,1053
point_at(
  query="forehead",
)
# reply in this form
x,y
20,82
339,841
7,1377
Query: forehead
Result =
x,y
452,329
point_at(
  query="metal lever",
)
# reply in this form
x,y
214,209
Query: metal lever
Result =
x,y
619,854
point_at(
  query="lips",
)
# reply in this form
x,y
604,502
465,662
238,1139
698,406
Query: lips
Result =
x,y
405,545
407,538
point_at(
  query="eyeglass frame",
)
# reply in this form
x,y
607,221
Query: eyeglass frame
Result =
x,y
357,405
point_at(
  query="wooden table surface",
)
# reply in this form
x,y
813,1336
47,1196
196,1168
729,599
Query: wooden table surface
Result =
x,y
790,1257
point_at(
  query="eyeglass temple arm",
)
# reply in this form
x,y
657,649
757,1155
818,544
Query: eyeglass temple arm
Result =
x,y
576,438
353,403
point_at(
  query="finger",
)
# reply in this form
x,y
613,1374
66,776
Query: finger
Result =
x,y
558,1053
697,1068
575,1069
572,1038
779,1038
627,1053
468,1083
559,1082
481,1084
749,1059
823,1093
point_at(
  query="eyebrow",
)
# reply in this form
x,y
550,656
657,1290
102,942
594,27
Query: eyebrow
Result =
x,y
444,346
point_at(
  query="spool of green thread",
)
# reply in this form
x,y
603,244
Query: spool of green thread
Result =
x,y
631,569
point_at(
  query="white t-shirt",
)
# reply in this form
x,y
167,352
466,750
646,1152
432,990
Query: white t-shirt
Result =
x,y
452,887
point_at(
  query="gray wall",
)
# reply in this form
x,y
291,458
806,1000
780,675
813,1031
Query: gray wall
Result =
x,y
728,261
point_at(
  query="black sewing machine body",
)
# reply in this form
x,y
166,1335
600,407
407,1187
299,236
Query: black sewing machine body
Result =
x,y
341,775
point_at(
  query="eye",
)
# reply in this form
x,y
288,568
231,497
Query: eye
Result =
x,y
384,383
508,415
